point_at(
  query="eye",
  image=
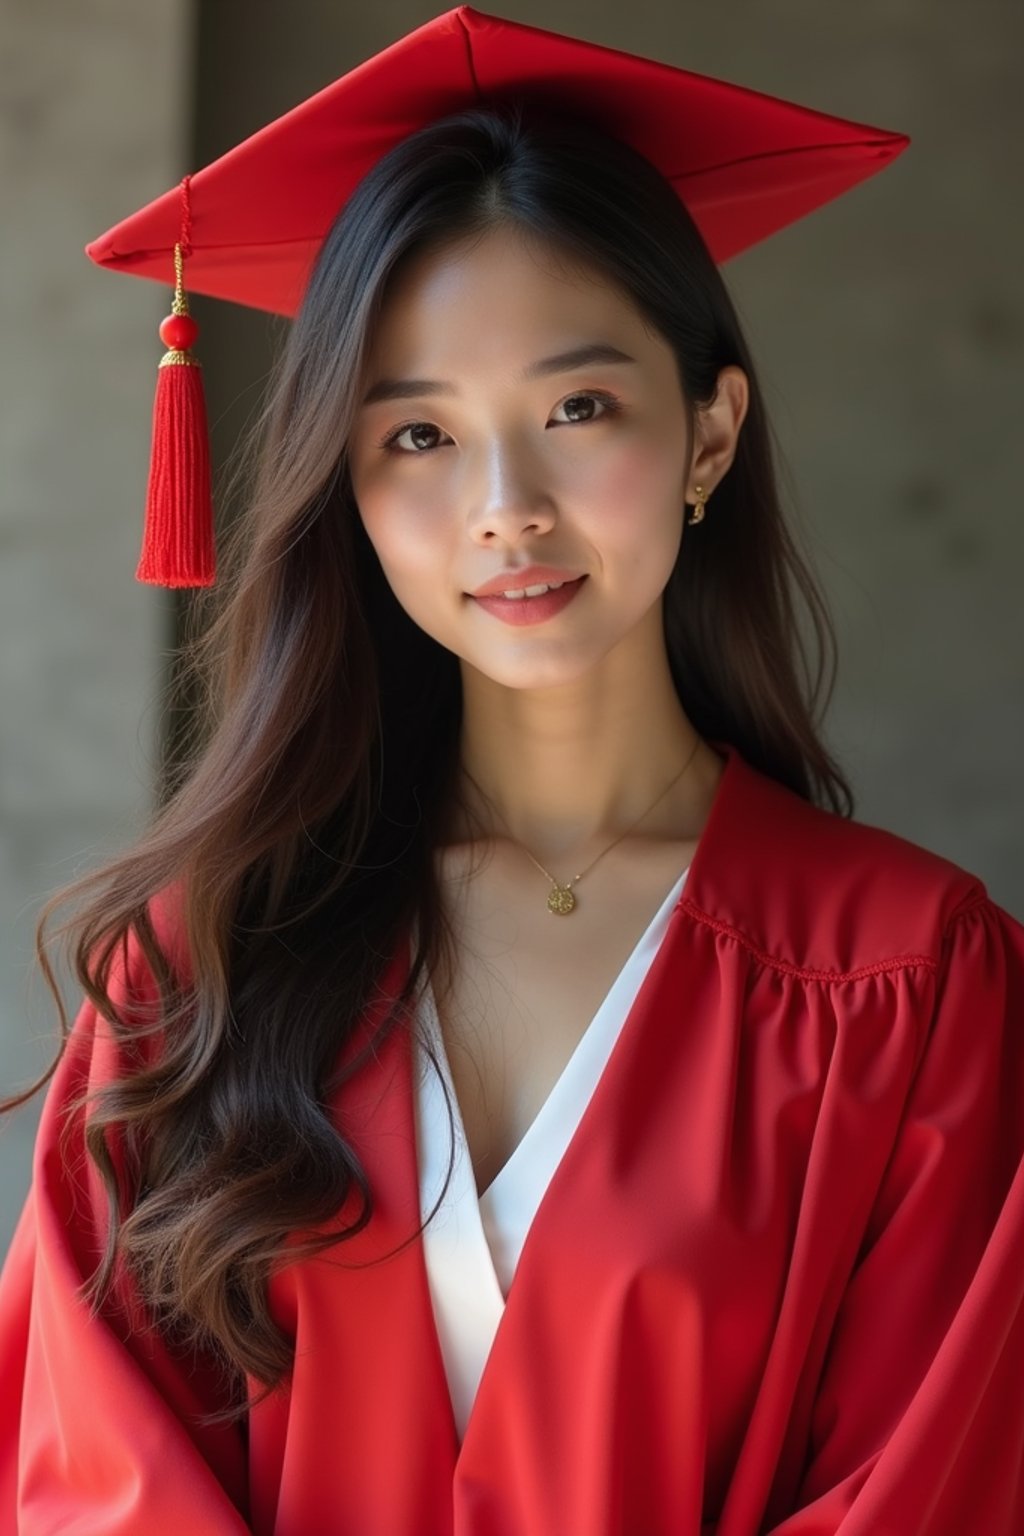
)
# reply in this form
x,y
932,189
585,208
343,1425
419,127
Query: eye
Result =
x,y
388,442
608,403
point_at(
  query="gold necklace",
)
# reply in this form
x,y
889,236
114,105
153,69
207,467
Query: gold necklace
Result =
x,y
561,900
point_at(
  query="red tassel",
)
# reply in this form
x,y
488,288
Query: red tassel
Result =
x,y
178,544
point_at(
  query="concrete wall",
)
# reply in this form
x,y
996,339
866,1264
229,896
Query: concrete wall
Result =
x,y
888,329
94,117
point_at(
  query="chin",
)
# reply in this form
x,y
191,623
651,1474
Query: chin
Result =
x,y
535,675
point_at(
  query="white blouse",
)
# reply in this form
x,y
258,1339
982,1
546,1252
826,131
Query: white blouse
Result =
x,y
472,1243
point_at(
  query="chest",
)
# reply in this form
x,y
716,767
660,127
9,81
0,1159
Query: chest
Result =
x,y
527,983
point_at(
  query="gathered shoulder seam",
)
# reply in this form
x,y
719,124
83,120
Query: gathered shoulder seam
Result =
x,y
803,972
979,897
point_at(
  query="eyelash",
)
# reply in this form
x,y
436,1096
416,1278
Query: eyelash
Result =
x,y
612,405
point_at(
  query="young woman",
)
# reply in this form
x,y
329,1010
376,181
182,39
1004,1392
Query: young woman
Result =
x,y
512,1094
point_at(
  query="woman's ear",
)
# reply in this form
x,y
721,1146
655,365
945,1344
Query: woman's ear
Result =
x,y
718,430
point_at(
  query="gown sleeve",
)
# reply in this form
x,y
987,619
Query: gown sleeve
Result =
x,y
95,1431
918,1421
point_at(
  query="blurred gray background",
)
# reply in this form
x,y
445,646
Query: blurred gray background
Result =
x,y
888,328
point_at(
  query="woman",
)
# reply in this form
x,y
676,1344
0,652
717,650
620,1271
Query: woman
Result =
x,y
511,1093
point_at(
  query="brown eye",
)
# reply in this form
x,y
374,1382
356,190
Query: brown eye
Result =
x,y
580,408
575,402
417,432
416,429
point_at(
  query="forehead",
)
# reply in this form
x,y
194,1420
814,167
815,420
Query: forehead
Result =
x,y
499,294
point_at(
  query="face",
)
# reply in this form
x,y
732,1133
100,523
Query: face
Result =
x,y
503,464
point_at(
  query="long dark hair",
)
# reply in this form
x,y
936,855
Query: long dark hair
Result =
x,y
298,835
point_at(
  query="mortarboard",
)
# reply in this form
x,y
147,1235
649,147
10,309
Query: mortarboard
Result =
x,y
250,225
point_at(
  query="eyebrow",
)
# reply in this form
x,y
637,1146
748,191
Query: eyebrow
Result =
x,y
562,362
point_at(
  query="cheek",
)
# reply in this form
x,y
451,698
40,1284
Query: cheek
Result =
x,y
406,533
637,503
411,539
647,471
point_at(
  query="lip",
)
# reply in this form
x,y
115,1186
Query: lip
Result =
x,y
523,576
531,610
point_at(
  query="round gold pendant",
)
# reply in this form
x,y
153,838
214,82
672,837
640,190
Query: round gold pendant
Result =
x,y
561,900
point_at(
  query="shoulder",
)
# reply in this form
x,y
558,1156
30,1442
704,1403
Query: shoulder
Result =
x,y
811,890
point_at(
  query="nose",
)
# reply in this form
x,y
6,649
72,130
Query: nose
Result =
x,y
510,498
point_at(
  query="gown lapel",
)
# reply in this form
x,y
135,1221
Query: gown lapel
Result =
x,y
472,1242
517,1393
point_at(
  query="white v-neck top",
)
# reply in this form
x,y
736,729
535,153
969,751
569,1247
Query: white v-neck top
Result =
x,y
472,1243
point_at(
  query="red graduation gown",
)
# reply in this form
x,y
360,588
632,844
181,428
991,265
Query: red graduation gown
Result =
x,y
774,1287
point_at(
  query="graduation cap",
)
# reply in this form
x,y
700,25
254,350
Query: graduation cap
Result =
x,y
250,225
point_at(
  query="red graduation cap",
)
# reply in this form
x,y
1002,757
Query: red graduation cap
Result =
x,y
250,225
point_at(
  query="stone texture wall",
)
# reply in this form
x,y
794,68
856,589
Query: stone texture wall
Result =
x,y
888,330
94,119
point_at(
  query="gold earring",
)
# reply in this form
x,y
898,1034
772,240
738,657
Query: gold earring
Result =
x,y
698,511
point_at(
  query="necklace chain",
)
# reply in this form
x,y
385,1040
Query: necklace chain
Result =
x,y
561,900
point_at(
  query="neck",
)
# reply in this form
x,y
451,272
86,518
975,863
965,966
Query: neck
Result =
x,y
568,770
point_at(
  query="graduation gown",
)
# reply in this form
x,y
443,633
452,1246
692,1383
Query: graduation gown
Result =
x,y
773,1286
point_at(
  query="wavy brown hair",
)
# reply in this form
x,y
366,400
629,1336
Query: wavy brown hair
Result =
x,y
322,764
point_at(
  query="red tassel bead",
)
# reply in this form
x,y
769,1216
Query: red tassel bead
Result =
x,y
178,332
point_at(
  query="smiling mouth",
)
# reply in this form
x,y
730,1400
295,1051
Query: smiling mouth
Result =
x,y
517,594
530,610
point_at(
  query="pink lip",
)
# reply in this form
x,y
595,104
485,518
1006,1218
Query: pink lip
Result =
x,y
531,610
524,576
